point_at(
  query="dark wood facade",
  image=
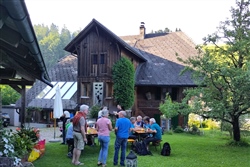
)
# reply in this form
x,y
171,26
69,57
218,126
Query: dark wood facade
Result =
x,y
153,56
97,53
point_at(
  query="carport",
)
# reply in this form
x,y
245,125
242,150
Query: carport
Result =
x,y
21,61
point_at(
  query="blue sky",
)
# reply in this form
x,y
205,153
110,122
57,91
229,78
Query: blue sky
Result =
x,y
197,18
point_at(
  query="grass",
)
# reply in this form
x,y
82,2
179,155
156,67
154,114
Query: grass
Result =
x,y
187,151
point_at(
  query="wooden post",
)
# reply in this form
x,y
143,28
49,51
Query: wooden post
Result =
x,y
22,113
1,125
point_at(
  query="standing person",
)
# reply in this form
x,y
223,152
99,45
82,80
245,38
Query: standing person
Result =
x,y
69,138
100,112
65,117
155,128
122,128
103,126
119,108
79,134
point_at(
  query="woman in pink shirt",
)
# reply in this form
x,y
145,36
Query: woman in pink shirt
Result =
x,y
103,127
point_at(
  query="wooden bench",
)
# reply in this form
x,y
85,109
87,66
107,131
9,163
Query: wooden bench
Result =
x,y
131,141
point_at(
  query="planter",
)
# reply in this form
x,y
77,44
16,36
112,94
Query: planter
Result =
x,y
6,162
25,158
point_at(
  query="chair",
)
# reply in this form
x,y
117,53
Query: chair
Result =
x,y
157,143
131,141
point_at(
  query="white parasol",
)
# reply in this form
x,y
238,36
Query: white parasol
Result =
x,y
58,108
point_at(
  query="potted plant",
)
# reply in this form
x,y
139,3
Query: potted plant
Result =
x,y
7,149
25,139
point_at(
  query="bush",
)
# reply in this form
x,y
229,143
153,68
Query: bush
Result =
x,y
24,140
123,75
194,130
242,143
94,111
194,122
178,129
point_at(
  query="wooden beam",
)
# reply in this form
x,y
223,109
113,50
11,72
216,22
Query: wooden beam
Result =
x,y
16,82
16,88
97,31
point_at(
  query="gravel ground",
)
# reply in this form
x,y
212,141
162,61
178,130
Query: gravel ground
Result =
x,y
46,133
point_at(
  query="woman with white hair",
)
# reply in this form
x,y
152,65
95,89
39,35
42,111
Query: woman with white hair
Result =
x,y
103,127
155,128
100,112
139,122
65,117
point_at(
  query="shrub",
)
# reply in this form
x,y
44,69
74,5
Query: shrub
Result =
x,y
194,130
123,75
242,143
212,124
178,129
24,139
94,111
194,122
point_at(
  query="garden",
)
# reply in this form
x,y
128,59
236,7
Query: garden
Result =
x,y
21,145
212,148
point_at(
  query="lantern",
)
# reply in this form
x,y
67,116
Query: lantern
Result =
x,y
131,159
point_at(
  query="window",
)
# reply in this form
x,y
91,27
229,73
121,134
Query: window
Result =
x,y
158,93
102,59
174,94
109,89
103,63
85,89
99,63
94,59
94,62
71,91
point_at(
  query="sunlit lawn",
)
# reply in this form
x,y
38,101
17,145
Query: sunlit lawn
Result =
x,y
188,150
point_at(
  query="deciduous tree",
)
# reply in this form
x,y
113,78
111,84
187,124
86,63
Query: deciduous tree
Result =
x,y
223,73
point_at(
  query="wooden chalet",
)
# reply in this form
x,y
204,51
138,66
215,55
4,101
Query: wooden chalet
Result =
x,y
153,56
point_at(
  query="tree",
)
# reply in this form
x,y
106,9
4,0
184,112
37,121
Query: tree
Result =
x,y
168,108
9,95
166,30
123,74
52,42
222,74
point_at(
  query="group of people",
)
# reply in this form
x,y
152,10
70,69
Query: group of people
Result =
x,y
124,129
154,131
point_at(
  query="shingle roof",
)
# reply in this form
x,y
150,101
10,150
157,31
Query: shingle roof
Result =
x,y
162,66
66,71
158,71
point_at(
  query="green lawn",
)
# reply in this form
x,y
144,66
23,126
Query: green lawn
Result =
x,y
188,150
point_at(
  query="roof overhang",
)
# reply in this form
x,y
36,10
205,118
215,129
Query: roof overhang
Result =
x,y
21,61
